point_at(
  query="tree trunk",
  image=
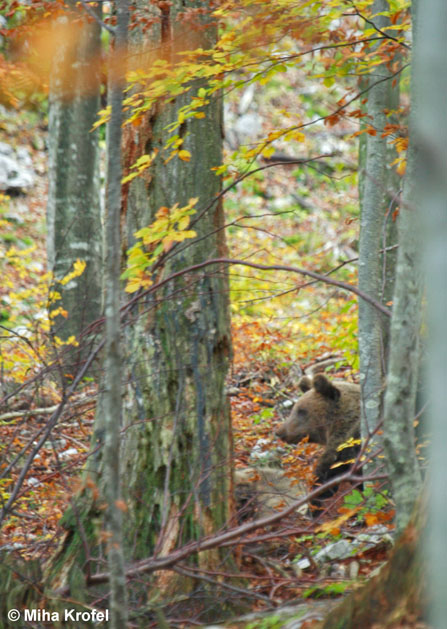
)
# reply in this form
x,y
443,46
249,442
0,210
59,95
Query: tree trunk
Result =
x,y
177,432
403,367
178,438
113,362
431,81
73,211
395,597
377,231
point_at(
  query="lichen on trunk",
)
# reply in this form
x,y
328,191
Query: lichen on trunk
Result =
x,y
177,426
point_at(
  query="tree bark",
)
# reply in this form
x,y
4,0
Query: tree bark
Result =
x,y
431,80
403,367
113,360
178,432
377,231
396,596
73,210
177,443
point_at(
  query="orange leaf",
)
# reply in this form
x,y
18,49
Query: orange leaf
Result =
x,y
121,505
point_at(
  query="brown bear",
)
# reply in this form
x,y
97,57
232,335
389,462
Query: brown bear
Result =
x,y
329,414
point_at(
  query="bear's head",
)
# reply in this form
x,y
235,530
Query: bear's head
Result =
x,y
328,412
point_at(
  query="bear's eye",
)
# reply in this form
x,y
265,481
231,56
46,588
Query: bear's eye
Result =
x,y
302,412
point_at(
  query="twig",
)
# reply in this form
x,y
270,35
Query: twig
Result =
x,y
47,410
153,564
51,423
376,28
273,267
195,575
96,17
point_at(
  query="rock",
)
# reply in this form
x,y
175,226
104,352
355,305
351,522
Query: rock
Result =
x,y
345,548
267,491
34,482
287,617
16,172
249,126
354,569
301,564
263,453
6,149
67,454
338,550
23,156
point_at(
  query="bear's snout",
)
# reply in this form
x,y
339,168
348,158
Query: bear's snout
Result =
x,y
281,432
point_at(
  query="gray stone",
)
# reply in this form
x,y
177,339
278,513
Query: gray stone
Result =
x,y
338,550
6,149
249,126
23,157
14,176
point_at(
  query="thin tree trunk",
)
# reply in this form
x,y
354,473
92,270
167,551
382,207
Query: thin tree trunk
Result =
x,y
376,271
113,353
73,211
403,368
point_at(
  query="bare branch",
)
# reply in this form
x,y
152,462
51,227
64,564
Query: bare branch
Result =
x,y
273,267
96,17
51,423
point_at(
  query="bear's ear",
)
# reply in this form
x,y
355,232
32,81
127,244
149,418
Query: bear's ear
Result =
x,y
305,384
325,387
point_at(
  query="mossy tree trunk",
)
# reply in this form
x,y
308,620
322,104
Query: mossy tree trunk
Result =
x,y
177,447
177,440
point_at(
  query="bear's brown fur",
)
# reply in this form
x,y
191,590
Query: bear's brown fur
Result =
x,y
329,414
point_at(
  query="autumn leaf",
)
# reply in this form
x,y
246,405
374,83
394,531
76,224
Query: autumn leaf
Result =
x,y
184,155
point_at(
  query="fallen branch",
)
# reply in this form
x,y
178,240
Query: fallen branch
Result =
x,y
153,564
47,410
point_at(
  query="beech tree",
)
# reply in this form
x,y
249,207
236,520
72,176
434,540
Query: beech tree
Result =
x,y
177,446
113,363
379,188
73,211
431,129
404,360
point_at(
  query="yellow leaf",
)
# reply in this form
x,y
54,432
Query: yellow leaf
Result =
x,y
79,266
268,151
78,269
402,167
58,311
133,285
183,223
333,526
184,155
